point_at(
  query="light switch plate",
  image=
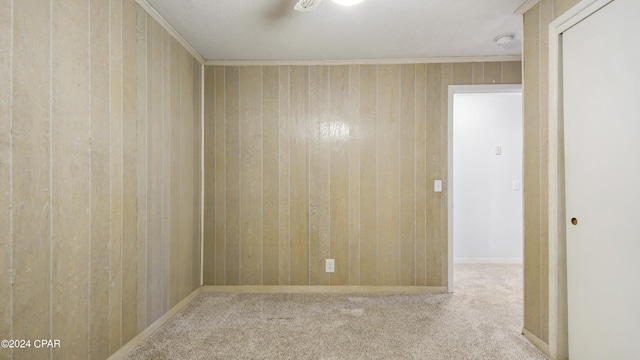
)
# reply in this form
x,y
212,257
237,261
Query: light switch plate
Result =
x,y
516,185
437,186
330,265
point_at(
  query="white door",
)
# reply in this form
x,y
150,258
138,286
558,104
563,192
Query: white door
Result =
x,y
601,92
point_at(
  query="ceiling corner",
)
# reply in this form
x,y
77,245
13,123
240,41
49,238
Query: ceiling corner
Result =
x,y
165,25
526,7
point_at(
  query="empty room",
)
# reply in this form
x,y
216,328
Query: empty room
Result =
x,y
319,179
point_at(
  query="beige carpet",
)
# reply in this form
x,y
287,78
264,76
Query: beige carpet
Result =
x,y
482,319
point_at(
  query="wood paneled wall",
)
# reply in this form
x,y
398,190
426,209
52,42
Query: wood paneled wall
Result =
x,y
99,174
536,163
305,163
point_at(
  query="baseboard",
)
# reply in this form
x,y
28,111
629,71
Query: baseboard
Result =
x,y
517,261
138,339
543,346
292,289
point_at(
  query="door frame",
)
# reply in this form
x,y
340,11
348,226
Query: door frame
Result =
x,y
558,319
463,89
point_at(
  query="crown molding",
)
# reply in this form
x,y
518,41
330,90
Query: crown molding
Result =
x,y
435,60
163,22
526,7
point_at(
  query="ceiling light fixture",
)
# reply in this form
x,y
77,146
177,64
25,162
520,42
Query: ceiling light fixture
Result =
x,y
504,39
306,5
347,2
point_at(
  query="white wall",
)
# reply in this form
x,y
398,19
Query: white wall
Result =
x,y
487,212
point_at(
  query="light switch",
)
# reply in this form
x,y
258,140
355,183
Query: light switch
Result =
x,y
516,185
437,186
498,150
330,265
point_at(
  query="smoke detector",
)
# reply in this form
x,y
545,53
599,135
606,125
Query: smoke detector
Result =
x,y
504,39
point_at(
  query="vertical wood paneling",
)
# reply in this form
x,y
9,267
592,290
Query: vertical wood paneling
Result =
x,y
349,155
408,176
129,204
115,260
322,115
546,17
284,176
210,185
299,180
422,184
388,174
196,240
270,223
434,172
187,173
174,145
478,73
368,177
512,72
315,165
100,179
6,24
91,146
166,171
531,180
319,174
354,174
220,177
232,92
462,73
493,73
251,175
154,171
142,158
71,191
30,195
443,243
339,172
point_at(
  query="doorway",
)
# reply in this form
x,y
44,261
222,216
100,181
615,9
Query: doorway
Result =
x,y
485,172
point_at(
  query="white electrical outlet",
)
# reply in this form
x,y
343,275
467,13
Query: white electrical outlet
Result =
x,y
330,265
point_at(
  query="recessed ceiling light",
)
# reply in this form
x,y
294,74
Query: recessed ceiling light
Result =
x,y
347,2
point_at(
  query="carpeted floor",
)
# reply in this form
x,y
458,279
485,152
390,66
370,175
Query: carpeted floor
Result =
x,y
482,319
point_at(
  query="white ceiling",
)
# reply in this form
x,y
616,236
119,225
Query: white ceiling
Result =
x,y
374,29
